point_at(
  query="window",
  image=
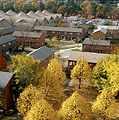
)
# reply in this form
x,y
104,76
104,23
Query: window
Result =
x,y
70,63
107,51
9,43
37,43
71,33
84,46
4,45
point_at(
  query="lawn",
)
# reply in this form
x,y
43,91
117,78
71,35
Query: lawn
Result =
x,y
58,43
76,50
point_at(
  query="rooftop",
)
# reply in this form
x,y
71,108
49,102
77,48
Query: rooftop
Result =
x,y
90,57
26,34
64,29
7,38
101,29
4,78
42,53
96,42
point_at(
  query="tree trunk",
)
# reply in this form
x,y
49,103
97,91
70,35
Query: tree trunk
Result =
x,y
79,83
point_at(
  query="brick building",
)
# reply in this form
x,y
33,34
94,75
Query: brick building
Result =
x,y
6,95
7,44
63,33
31,39
92,58
100,34
96,46
44,54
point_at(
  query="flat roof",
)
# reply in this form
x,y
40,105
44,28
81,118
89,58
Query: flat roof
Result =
x,y
90,57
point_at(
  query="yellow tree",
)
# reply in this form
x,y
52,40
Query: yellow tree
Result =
x,y
81,71
75,108
106,73
89,9
26,71
42,110
54,39
27,98
106,104
51,83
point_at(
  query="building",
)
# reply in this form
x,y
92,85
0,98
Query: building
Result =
x,y
6,95
92,58
62,33
7,44
31,39
96,46
44,54
7,31
100,34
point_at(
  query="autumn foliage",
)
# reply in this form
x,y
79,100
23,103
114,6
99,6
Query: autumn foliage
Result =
x,y
42,110
106,104
27,98
3,64
81,71
75,108
51,83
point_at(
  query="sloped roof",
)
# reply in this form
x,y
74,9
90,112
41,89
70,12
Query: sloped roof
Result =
x,y
88,41
7,38
7,30
65,29
109,27
22,15
102,30
5,78
32,14
90,57
46,12
39,13
11,13
42,53
26,34
1,12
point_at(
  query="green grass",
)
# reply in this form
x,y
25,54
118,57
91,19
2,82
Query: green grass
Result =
x,y
58,43
77,50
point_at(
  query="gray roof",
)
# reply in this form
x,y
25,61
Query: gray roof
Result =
x,y
64,29
7,38
7,30
26,34
88,41
42,53
90,57
4,78
101,29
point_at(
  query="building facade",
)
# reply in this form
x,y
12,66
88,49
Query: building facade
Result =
x,y
31,39
63,33
6,95
96,46
92,58
7,44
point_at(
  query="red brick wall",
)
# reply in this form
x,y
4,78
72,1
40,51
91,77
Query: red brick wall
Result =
x,y
8,96
95,48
